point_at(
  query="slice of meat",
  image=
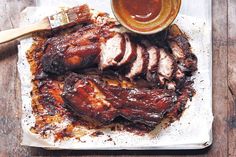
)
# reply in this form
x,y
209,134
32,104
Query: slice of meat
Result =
x,y
166,65
154,57
139,66
112,51
130,52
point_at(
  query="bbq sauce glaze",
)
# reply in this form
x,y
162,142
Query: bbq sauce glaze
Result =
x,y
141,10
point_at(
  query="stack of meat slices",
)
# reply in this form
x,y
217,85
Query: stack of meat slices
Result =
x,y
90,47
167,67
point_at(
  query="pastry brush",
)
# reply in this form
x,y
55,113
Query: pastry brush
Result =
x,y
63,19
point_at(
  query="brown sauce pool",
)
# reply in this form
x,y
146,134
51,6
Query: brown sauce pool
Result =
x,y
142,10
146,16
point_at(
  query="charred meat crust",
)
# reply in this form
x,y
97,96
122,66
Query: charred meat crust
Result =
x,y
182,52
181,49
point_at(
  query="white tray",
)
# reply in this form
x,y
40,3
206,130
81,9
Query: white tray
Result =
x,y
192,131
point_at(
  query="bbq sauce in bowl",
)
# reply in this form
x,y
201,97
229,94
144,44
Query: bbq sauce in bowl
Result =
x,y
145,16
141,13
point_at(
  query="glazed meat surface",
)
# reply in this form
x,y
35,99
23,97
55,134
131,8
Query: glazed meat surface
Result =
x,y
96,98
80,49
77,50
153,80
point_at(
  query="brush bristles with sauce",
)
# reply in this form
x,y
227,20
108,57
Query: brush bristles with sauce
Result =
x,y
63,19
70,17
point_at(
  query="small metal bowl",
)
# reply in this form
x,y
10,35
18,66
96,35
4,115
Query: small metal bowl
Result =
x,y
168,13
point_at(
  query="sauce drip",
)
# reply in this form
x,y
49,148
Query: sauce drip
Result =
x,y
142,10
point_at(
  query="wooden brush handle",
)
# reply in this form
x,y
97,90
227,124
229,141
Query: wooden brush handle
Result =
x,y
12,34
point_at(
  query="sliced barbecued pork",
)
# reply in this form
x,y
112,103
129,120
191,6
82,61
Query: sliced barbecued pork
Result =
x,y
112,51
166,65
154,57
139,66
130,52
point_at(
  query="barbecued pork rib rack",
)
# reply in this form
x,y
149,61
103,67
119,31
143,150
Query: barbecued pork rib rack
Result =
x,y
98,99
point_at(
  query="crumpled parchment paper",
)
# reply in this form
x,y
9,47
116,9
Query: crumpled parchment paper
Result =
x,y
192,131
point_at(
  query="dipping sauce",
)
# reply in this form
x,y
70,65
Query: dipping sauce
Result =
x,y
145,16
142,10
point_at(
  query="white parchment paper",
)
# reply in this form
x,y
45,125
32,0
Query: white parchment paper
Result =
x,y
192,131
